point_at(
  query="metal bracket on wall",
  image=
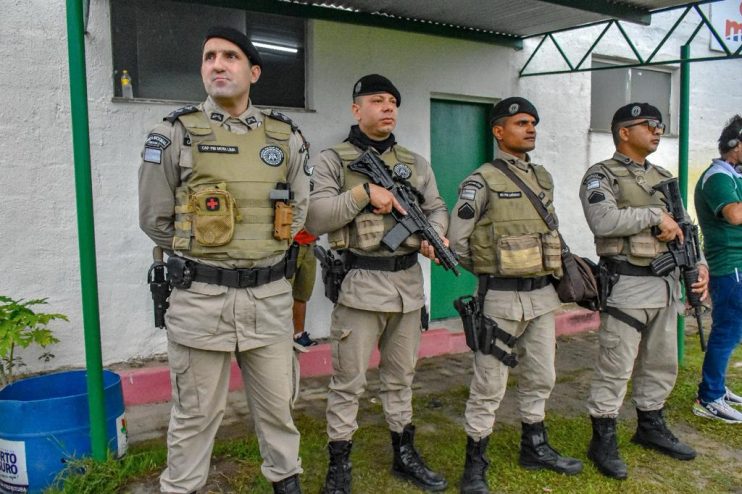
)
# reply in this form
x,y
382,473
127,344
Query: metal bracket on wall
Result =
x,y
640,62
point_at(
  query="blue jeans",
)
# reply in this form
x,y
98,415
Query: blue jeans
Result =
x,y
726,334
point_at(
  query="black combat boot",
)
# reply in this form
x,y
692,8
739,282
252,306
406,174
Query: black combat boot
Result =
x,y
289,485
339,471
652,432
474,480
410,466
604,448
536,453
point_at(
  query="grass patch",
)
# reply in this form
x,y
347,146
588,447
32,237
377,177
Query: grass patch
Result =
x,y
441,440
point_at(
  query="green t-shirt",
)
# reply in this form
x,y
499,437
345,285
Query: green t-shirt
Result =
x,y
718,186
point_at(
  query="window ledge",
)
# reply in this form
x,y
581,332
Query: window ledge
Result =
x,y
170,102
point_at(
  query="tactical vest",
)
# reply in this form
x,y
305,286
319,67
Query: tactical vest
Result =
x,y
367,229
635,191
223,211
511,239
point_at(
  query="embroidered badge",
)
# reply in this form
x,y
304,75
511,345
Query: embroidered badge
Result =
x,y
635,111
402,171
215,148
152,155
513,109
468,193
251,121
186,140
596,197
509,195
271,155
357,89
217,117
472,183
593,176
212,204
157,141
593,184
466,212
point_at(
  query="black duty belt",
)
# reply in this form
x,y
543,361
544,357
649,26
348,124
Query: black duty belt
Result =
x,y
517,284
628,269
238,278
389,263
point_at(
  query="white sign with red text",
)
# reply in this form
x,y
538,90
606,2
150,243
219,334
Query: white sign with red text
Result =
x,y
726,17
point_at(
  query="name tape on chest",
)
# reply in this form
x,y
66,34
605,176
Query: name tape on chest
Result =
x,y
509,195
216,148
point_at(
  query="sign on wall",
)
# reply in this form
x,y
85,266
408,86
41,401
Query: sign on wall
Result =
x,y
726,17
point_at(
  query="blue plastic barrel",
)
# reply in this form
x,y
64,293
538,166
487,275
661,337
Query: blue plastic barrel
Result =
x,y
44,423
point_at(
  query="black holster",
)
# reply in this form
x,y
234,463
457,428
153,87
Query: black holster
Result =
x,y
482,332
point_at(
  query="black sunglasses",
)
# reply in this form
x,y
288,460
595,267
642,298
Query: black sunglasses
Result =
x,y
653,125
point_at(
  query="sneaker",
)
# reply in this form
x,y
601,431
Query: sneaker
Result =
x,y
731,398
304,340
719,410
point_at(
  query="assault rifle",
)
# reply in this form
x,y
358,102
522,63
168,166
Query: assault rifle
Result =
x,y
681,255
414,221
159,286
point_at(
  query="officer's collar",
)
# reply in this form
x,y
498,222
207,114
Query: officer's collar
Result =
x,y
514,160
251,117
626,161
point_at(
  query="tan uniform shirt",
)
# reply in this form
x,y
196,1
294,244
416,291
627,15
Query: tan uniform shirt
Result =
x,y
329,210
512,305
201,321
605,219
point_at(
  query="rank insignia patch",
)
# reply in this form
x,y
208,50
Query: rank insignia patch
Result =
x,y
271,155
466,212
217,117
402,171
152,155
596,197
157,141
212,203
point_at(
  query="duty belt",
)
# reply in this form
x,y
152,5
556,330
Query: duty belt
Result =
x,y
236,278
628,269
515,284
389,263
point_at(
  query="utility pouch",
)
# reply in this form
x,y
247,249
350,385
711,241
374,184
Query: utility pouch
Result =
x,y
482,247
551,245
214,215
520,255
283,215
644,245
608,246
369,230
179,272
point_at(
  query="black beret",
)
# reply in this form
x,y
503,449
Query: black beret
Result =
x,y
238,38
634,111
512,106
373,84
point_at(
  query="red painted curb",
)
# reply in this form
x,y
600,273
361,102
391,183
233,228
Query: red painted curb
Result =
x,y
152,384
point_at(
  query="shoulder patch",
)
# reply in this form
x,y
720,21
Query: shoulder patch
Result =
x,y
173,116
468,193
152,155
282,118
592,177
155,140
596,197
472,183
466,211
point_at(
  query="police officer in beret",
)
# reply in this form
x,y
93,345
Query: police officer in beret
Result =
x,y
638,333
500,236
382,294
222,188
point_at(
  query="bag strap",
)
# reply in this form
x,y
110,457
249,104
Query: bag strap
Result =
x,y
549,219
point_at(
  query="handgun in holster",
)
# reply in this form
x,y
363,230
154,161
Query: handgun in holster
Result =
x,y
333,272
159,286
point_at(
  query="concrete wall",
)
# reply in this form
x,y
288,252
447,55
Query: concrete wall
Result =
x,y
37,212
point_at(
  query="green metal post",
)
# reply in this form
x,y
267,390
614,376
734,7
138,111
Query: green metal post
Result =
x,y
683,164
85,230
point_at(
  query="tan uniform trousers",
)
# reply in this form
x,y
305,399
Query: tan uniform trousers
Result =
x,y
535,350
652,354
355,333
200,380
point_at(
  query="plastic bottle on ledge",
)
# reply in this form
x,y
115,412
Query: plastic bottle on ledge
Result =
x,y
127,90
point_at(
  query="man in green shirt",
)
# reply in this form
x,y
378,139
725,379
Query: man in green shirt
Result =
x,y
718,199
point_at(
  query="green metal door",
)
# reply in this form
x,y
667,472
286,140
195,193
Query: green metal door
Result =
x,y
460,141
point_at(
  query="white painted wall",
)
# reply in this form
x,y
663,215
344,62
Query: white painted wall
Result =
x,y
37,211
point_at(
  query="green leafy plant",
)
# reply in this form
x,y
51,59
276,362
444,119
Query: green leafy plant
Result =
x,y
21,327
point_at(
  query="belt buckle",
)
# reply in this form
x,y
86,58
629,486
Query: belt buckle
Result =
x,y
247,277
